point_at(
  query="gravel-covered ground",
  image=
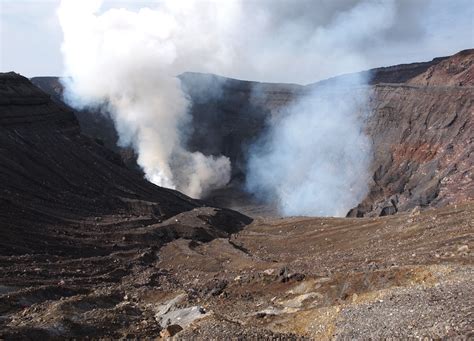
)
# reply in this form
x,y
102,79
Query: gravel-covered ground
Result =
x,y
408,275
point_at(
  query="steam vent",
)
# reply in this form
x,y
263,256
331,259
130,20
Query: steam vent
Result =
x,y
144,195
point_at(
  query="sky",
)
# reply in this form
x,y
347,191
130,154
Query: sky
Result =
x,y
31,37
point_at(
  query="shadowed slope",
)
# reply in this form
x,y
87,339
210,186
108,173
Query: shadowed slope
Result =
x,y
51,175
420,121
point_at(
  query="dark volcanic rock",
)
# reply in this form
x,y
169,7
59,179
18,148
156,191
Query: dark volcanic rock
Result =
x,y
81,237
53,178
421,128
421,132
423,148
457,70
390,74
95,123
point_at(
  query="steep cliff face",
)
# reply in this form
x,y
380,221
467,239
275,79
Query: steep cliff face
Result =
x,y
423,148
228,115
53,179
88,249
420,123
401,73
94,123
421,132
457,70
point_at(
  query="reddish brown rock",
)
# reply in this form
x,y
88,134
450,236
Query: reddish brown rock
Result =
x,y
458,70
420,124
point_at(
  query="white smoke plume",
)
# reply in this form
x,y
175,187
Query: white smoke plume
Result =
x,y
314,159
129,61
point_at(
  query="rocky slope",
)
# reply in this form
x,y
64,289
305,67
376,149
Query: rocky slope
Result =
x,y
53,176
421,131
455,71
403,276
423,148
420,123
97,125
88,249
401,73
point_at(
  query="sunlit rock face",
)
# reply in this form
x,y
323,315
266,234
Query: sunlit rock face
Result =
x,y
419,130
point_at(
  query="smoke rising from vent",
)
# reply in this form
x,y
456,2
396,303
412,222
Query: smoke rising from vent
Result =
x,y
314,159
129,61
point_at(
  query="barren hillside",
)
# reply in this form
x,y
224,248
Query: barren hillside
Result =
x,y
89,249
57,185
421,130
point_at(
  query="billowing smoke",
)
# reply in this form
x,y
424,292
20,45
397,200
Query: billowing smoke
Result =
x,y
314,158
129,61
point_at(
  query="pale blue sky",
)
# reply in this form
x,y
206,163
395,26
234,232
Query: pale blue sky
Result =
x,y
30,35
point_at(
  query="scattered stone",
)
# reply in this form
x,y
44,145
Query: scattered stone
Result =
x,y
269,272
285,276
215,287
388,210
415,211
354,297
171,331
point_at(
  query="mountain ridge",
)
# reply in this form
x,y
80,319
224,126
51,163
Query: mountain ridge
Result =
x,y
237,112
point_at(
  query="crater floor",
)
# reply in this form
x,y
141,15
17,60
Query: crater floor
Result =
x,y
407,275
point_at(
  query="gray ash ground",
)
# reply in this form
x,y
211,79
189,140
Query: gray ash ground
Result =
x,y
409,275
89,249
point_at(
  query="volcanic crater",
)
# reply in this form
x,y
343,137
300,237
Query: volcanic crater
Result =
x,y
89,248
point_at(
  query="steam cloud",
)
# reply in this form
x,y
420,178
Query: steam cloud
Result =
x,y
315,157
129,61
